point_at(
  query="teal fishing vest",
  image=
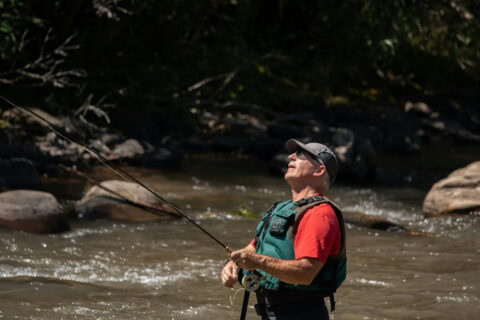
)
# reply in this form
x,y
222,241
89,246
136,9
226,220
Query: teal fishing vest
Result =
x,y
274,238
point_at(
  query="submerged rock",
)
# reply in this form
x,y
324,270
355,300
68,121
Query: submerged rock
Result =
x,y
458,193
129,202
31,211
45,280
370,221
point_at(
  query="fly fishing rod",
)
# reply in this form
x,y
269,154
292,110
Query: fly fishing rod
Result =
x,y
250,282
117,170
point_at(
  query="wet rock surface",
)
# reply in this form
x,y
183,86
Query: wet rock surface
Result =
x,y
370,221
32,211
458,193
128,203
128,149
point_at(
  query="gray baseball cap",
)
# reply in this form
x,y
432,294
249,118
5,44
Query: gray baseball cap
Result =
x,y
319,151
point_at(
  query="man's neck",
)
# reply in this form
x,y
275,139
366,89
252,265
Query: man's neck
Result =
x,y
304,193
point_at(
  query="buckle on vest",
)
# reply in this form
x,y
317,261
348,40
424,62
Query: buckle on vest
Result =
x,y
305,201
301,202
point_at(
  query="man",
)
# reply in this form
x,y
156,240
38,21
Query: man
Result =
x,y
299,247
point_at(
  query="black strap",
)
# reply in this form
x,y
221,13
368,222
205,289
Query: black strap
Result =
x,y
332,302
246,295
305,201
267,221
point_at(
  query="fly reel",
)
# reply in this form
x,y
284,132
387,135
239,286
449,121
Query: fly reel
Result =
x,y
251,282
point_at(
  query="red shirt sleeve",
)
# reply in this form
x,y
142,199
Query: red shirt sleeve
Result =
x,y
317,234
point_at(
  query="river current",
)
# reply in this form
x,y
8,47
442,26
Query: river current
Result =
x,y
170,270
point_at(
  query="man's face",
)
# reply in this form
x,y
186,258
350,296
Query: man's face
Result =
x,y
302,167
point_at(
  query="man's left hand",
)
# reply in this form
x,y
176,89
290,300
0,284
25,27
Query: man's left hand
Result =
x,y
246,259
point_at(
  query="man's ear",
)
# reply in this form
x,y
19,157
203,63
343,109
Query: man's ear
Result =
x,y
320,171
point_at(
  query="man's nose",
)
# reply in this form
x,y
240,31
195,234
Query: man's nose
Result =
x,y
292,156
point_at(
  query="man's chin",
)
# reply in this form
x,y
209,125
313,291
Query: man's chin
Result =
x,y
288,178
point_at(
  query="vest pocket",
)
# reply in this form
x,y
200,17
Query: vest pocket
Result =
x,y
278,226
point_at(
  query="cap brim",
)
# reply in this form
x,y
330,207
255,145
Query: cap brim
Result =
x,y
293,145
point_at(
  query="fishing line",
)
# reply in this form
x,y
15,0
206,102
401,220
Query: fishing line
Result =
x,y
117,170
232,298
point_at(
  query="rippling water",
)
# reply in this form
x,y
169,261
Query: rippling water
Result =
x,y
169,270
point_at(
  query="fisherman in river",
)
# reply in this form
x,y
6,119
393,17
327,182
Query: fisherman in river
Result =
x,y
299,248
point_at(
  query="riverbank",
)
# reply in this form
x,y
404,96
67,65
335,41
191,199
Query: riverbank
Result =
x,y
401,147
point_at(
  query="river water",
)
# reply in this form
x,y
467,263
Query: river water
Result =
x,y
170,270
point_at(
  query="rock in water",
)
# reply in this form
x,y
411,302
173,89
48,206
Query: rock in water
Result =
x,y
129,149
32,211
370,221
458,193
100,203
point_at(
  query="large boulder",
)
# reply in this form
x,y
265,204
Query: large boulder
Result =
x,y
32,211
122,201
458,193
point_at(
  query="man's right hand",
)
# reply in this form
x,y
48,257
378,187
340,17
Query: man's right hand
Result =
x,y
229,274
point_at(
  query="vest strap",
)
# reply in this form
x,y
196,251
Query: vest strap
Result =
x,y
332,301
305,201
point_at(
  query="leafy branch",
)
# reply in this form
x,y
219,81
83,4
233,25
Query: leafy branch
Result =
x,y
46,68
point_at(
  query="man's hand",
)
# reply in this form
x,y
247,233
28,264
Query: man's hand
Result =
x,y
246,259
229,274
301,271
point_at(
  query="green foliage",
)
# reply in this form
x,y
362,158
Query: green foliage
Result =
x,y
8,38
4,124
16,20
273,53
245,213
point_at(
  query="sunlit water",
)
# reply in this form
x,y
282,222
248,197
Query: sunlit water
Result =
x,y
169,270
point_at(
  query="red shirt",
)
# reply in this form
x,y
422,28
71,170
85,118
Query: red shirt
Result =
x,y
317,234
